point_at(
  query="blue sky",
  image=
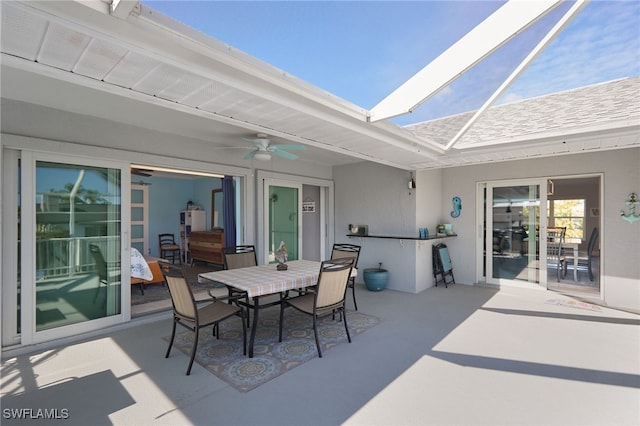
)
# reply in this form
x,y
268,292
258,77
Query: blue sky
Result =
x,y
362,51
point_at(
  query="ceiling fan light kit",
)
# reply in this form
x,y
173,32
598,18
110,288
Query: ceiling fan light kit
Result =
x,y
264,149
262,156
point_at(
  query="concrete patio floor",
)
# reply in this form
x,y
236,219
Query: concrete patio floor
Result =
x,y
458,355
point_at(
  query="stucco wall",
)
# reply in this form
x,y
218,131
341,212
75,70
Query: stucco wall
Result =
x,y
620,240
377,195
428,215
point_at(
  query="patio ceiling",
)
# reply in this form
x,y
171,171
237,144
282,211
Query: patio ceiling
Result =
x,y
146,72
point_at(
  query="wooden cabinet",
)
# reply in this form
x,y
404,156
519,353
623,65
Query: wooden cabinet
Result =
x,y
206,246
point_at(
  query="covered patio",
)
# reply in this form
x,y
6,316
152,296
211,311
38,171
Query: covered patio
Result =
x,y
116,87
457,355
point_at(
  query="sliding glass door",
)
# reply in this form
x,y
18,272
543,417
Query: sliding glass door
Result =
x,y
69,247
513,223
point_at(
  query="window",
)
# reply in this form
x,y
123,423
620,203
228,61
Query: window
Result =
x,y
569,214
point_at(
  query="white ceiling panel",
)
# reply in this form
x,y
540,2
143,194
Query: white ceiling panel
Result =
x,y
26,32
203,94
62,46
181,82
182,88
99,58
159,78
130,70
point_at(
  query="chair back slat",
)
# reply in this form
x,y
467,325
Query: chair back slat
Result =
x,y
332,282
592,241
181,296
240,260
340,251
556,237
167,240
239,257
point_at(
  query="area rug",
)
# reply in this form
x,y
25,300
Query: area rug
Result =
x,y
223,357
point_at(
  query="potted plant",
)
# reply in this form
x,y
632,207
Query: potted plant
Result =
x,y
375,279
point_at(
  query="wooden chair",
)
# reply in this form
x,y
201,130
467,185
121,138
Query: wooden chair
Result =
x,y
169,249
555,258
187,313
341,250
326,298
586,262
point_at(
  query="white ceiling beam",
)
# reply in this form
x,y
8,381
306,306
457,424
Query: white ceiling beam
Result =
x,y
504,24
24,67
546,40
232,68
122,8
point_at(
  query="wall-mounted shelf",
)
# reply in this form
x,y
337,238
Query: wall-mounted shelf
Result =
x,y
395,237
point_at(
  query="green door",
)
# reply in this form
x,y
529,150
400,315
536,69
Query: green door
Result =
x,y
283,217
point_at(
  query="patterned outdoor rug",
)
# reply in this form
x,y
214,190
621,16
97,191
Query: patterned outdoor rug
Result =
x,y
223,357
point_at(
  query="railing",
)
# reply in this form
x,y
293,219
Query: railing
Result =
x,y
63,257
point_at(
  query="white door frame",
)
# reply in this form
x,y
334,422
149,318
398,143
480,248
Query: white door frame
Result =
x,y
262,196
485,244
28,333
265,237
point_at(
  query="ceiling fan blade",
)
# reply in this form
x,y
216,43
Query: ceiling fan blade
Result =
x,y
285,154
250,155
140,172
259,142
289,147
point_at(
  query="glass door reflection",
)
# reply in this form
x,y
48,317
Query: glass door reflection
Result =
x,y
78,232
513,228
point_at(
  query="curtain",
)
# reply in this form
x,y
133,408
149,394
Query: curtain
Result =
x,y
229,211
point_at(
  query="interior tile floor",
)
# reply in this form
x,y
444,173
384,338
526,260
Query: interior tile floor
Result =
x,y
464,355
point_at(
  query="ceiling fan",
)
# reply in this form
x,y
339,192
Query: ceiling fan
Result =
x,y
264,149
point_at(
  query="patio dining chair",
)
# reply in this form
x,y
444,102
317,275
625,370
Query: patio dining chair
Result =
x,y
240,256
326,298
188,314
555,258
104,273
341,250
